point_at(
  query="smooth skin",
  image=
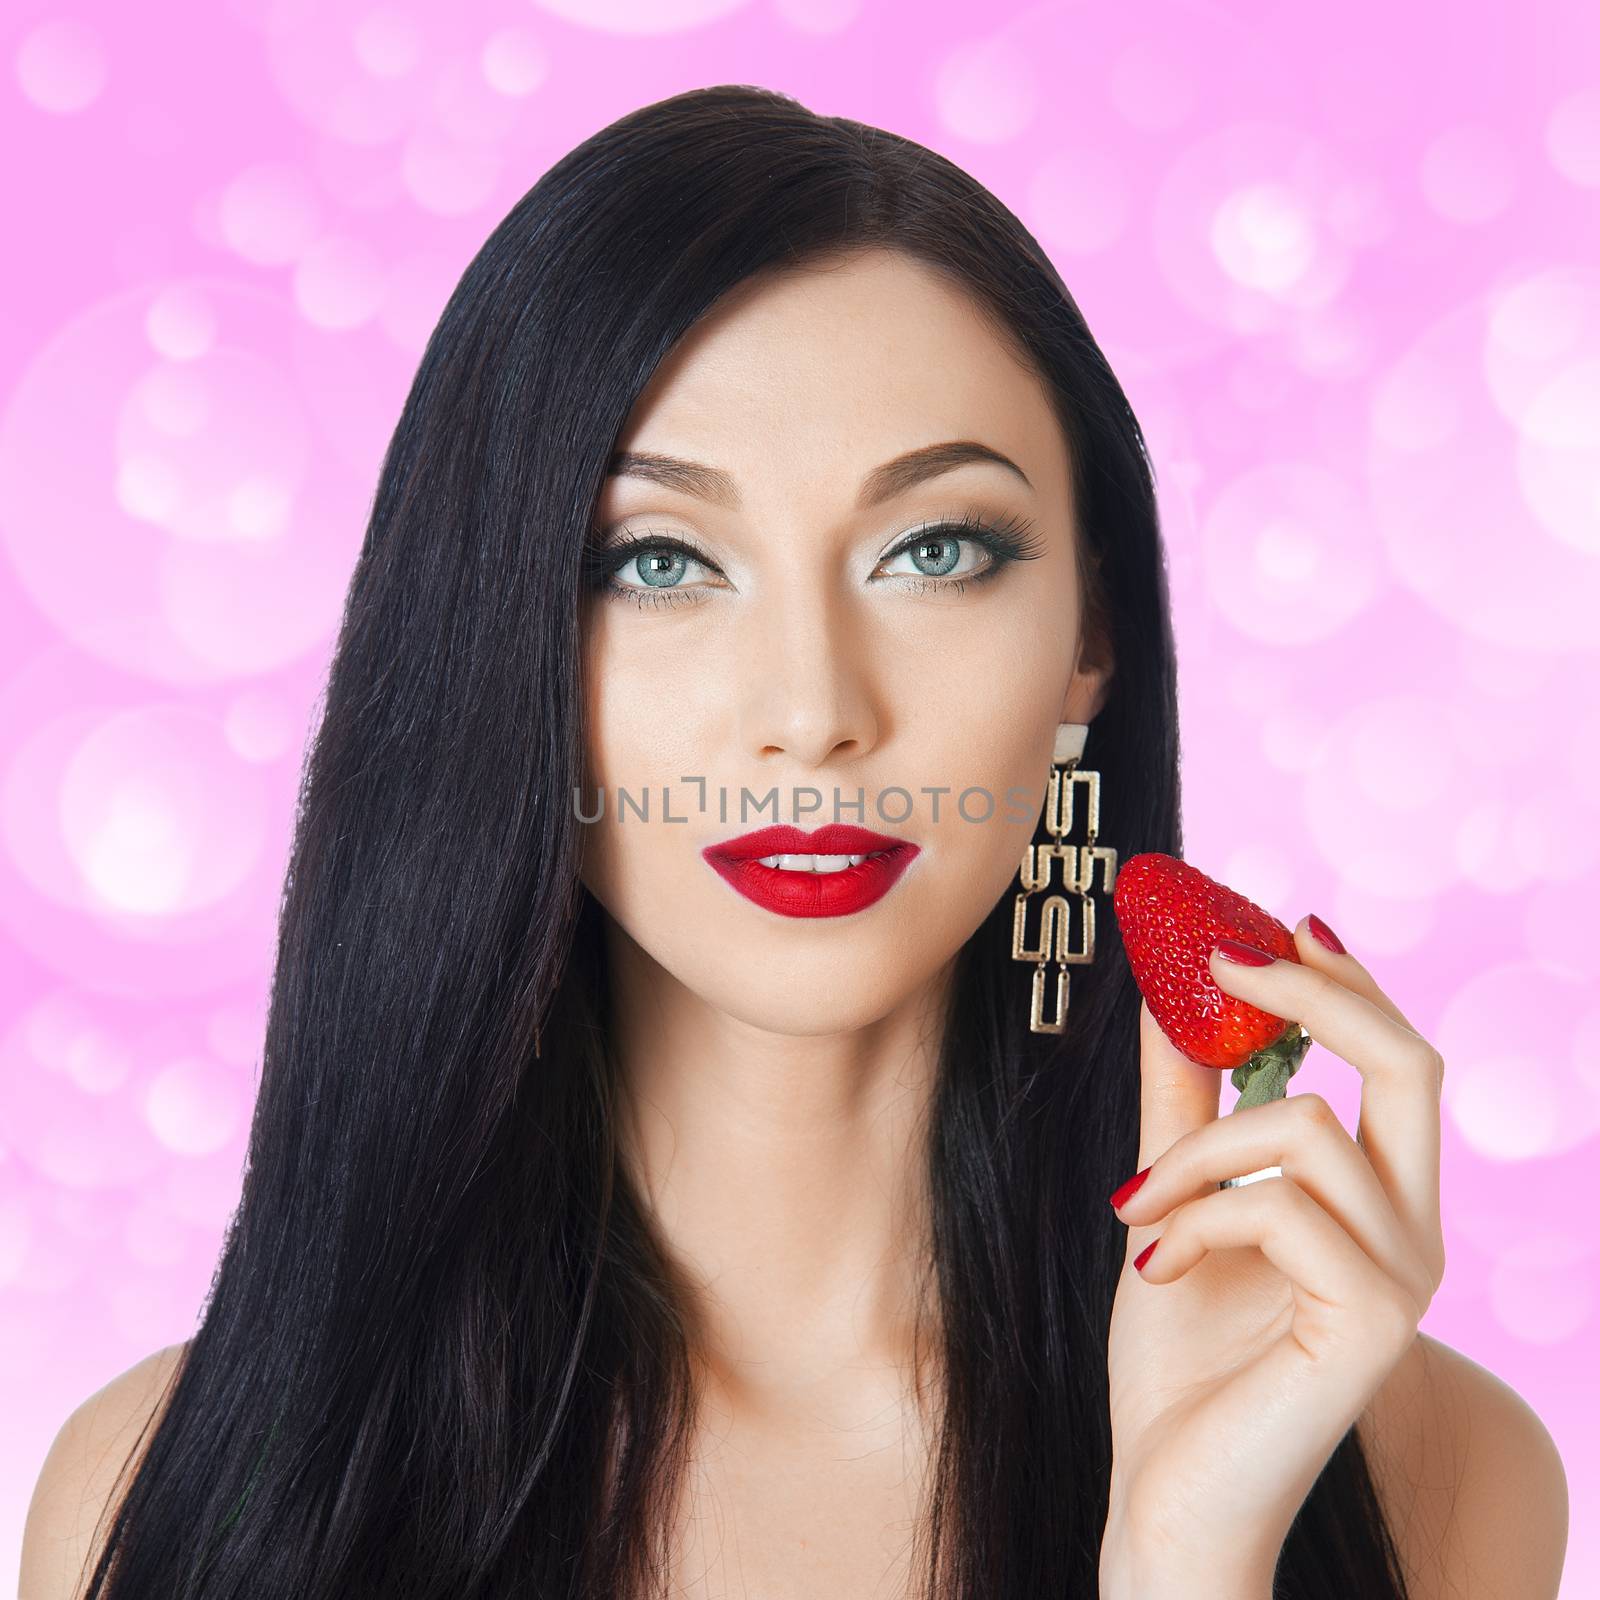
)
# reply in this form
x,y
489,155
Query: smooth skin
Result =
x,y
778,1073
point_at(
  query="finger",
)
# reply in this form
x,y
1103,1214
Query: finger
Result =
x,y
1421,1207
1343,1301
1345,967
1175,1093
1400,1072
1304,1137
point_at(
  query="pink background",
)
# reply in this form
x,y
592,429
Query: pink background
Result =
x,y
1345,263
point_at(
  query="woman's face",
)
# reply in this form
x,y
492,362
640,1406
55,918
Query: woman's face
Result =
x,y
828,637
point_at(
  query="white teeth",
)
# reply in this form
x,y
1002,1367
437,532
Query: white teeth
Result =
x,y
790,863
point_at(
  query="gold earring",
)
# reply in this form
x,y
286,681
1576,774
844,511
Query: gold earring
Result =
x,y
1077,878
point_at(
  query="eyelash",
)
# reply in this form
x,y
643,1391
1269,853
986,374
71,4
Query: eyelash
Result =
x,y
1006,539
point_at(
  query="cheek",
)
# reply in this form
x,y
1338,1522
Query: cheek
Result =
x,y
987,820
645,732
648,736
983,709
989,730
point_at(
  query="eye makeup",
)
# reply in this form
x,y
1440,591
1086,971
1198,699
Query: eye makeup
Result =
x,y
1002,541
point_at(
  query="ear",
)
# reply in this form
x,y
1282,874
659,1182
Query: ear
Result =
x,y
1086,693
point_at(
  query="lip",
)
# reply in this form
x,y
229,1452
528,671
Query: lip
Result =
x,y
812,894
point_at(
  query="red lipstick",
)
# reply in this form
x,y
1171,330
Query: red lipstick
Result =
x,y
812,894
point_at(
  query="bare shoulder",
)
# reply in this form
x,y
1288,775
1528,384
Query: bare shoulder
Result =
x,y
1470,1478
91,1460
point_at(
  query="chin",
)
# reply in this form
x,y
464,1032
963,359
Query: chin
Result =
x,y
794,1013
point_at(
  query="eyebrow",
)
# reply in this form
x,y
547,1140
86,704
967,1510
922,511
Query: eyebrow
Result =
x,y
882,483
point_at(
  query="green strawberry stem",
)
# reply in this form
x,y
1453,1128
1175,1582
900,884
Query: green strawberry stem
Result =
x,y
1265,1076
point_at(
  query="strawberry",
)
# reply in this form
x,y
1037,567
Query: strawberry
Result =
x,y
1171,916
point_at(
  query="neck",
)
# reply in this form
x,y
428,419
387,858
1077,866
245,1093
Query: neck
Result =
x,y
786,1176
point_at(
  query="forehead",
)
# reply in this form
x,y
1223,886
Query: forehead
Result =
x,y
835,367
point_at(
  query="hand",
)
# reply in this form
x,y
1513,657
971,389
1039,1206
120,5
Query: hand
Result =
x,y
1270,1314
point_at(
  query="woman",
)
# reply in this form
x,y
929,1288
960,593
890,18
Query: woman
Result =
x,y
624,1216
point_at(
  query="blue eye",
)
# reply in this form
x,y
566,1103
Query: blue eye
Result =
x,y
660,567
936,550
936,555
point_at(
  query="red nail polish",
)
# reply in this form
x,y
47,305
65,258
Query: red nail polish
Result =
x,y
1324,935
1247,954
1144,1255
1120,1197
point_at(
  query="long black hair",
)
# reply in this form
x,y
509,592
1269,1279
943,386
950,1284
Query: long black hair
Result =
x,y
444,1353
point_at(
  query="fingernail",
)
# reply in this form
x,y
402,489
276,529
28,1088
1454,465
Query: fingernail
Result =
x,y
1144,1255
1246,954
1325,936
1120,1197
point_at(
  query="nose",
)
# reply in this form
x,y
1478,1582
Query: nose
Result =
x,y
806,694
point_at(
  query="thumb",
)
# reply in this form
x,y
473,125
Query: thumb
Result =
x,y
1175,1093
